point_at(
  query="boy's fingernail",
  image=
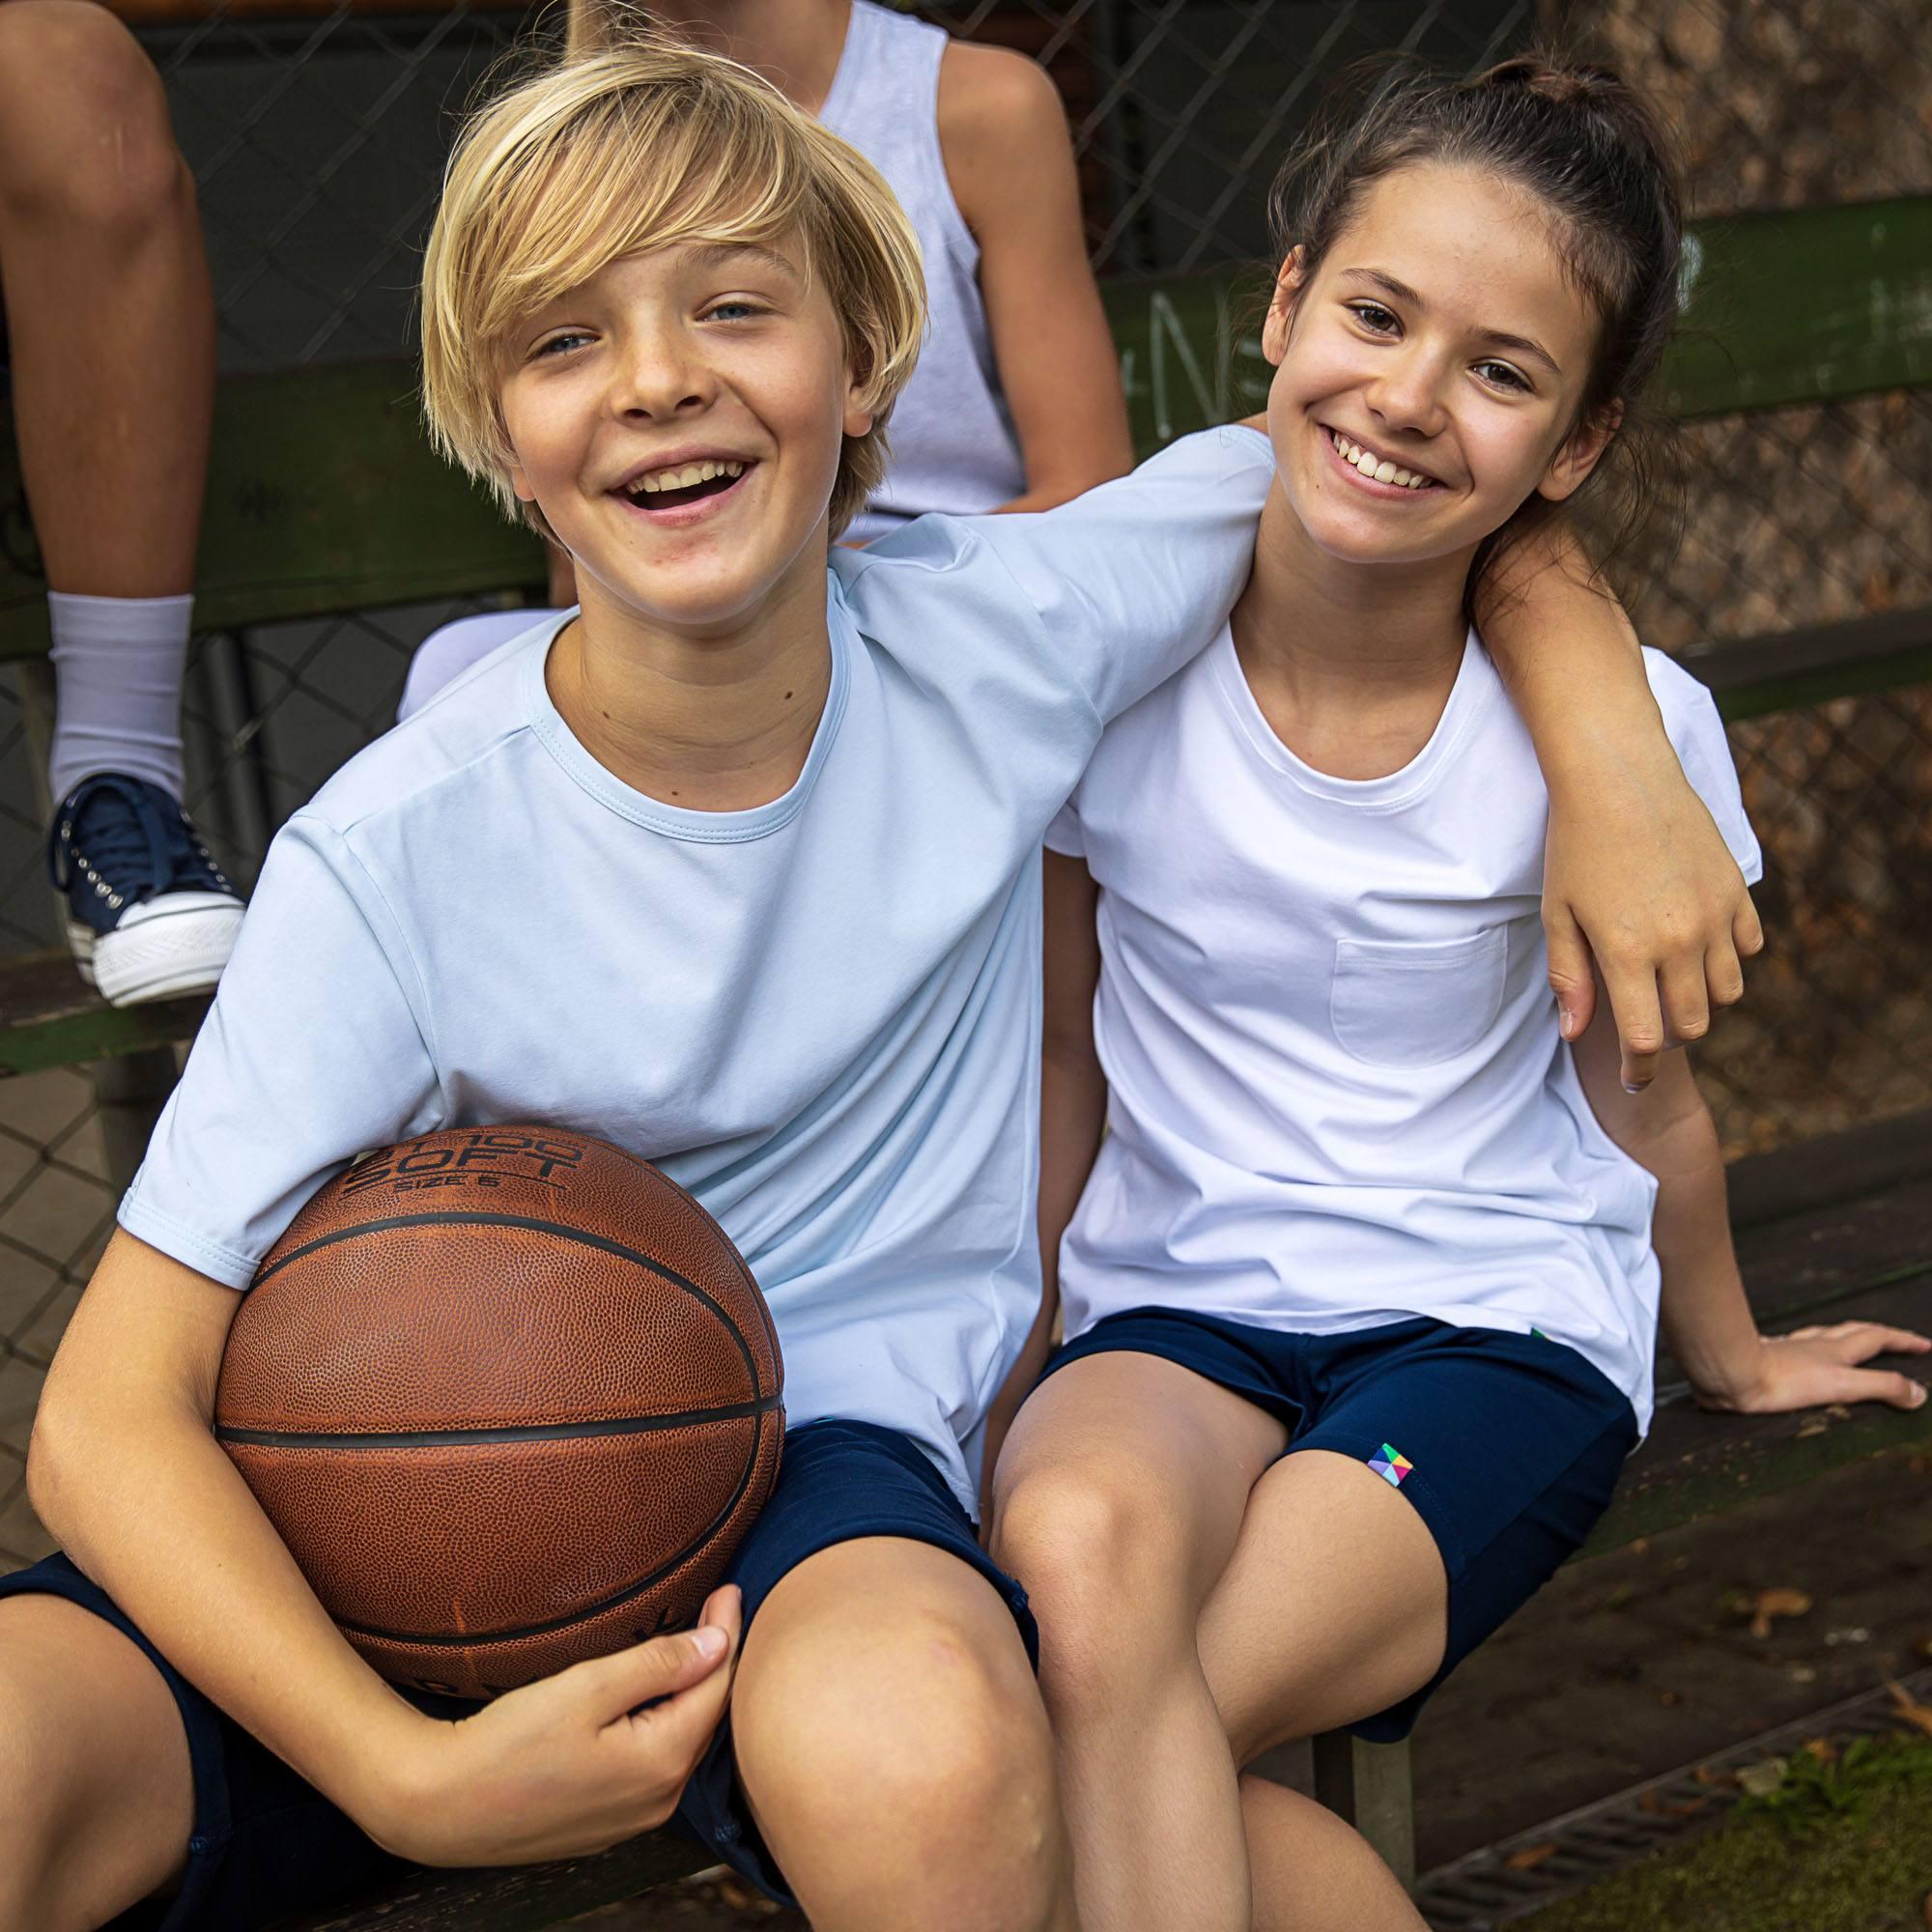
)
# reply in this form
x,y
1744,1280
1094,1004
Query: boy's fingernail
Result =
x,y
1632,1086
709,1642
1918,1394
1566,1022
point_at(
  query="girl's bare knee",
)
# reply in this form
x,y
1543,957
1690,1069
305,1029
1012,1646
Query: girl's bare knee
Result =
x,y
1105,1562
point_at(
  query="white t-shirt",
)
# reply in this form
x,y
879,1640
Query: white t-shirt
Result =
x,y
1337,1091
821,1016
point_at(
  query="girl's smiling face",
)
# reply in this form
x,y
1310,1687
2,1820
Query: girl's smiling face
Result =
x,y
1443,343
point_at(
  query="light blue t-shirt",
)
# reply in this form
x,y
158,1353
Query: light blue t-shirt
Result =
x,y
821,1016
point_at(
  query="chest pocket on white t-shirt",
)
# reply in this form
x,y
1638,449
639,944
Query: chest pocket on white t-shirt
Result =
x,y
1402,1003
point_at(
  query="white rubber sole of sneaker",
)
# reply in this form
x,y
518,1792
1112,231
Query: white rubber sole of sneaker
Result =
x,y
165,950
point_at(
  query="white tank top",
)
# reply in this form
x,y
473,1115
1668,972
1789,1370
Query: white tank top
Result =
x,y
950,437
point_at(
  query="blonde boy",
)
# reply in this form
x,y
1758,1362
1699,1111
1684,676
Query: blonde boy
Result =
x,y
739,868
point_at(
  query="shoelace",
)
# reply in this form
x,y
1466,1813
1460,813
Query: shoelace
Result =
x,y
147,847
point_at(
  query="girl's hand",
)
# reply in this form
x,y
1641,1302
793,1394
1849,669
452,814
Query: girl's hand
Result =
x,y
1638,875
569,1765
1811,1366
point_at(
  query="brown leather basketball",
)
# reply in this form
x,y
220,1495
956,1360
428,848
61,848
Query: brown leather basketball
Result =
x,y
510,1397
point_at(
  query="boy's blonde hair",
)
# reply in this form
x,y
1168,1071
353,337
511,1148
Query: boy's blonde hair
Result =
x,y
637,146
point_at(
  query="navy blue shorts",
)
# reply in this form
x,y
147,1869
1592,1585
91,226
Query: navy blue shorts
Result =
x,y
266,1846
1508,1445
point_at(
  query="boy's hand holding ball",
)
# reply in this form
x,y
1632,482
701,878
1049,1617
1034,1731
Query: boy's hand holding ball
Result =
x,y
569,1765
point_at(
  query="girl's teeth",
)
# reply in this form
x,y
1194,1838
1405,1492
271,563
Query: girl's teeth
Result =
x,y
1377,466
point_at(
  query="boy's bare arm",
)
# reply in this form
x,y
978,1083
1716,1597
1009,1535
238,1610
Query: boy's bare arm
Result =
x,y
1637,873
1072,1117
1003,135
1705,1314
125,1470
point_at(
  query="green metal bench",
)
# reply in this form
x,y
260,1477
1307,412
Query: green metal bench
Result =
x,y
325,499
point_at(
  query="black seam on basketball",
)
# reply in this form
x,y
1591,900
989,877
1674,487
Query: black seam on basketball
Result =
x,y
528,1222
536,1432
479,1640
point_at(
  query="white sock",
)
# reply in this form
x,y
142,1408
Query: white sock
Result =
x,y
118,666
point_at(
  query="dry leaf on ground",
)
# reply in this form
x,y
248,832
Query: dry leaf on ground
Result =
x,y
1529,1857
1762,1779
1770,1605
1916,1714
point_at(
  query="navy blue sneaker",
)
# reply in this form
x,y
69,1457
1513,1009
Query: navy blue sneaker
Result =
x,y
150,915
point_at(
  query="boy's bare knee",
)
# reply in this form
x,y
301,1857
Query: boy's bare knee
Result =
x,y
95,1781
877,1718
85,135
915,1741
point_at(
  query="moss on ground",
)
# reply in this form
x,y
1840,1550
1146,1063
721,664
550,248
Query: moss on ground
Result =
x,y
1839,1846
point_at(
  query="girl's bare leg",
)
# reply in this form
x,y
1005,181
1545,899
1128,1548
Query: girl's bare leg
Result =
x,y
1333,1606
1117,1500
1312,1873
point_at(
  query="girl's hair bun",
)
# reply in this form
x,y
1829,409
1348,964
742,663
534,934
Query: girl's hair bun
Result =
x,y
1566,86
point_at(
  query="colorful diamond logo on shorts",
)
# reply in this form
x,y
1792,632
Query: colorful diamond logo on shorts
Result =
x,y
1391,1467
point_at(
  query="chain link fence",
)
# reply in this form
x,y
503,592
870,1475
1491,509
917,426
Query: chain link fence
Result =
x,y
317,142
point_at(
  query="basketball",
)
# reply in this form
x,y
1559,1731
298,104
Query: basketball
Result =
x,y
510,1397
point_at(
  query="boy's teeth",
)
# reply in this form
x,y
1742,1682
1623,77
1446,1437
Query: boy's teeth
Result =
x,y
683,477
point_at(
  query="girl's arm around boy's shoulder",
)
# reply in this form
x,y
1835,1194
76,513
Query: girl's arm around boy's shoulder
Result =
x,y
1706,1316
1638,874
1010,163
126,1471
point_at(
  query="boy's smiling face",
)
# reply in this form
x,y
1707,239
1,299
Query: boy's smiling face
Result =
x,y
665,365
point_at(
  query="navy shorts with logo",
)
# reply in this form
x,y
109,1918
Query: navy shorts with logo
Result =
x,y
1508,1445
266,1846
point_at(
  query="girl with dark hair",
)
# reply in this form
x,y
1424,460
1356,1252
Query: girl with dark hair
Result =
x,y
1361,1294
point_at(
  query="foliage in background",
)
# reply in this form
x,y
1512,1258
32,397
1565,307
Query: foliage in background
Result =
x,y
1840,1843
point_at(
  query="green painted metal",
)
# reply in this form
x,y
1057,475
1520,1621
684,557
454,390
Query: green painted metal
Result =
x,y
322,496
1794,307
1801,691
1722,1481
48,1018
1804,305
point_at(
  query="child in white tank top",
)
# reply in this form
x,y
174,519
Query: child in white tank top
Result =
x,y
1016,402
1361,1292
